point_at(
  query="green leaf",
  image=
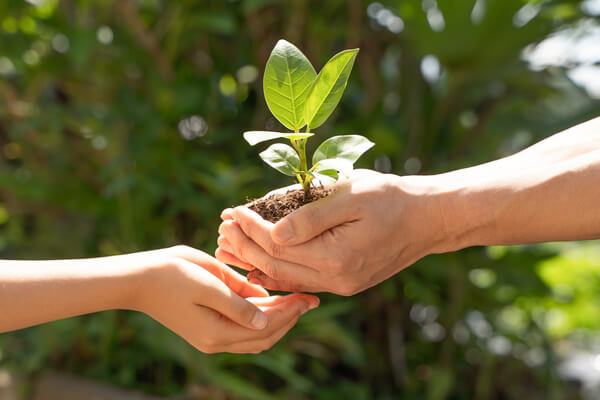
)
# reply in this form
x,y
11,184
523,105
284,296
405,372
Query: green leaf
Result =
x,y
348,147
327,89
326,177
254,137
282,157
340,165
286,83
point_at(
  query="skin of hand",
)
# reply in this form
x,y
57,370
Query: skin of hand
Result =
x,y
336,243
374,225
201,299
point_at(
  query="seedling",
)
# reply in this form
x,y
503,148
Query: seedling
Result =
x,y
299,98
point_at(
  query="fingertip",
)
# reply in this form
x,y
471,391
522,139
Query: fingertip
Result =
x,y
226,214
313,301
244,213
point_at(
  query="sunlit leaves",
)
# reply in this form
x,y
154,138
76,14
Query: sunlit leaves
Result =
x,y
297,96
347,147
255,137
286,83
282,157
328,87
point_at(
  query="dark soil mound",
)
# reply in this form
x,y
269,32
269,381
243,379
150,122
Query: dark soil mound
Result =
x,y
277,206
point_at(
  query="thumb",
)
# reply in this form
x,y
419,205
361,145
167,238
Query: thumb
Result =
x,y
218,296
312,219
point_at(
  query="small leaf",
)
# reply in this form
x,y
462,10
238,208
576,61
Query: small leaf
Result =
x,y
326,177
340,165
327,89
286,83
348,147
254,137
282,157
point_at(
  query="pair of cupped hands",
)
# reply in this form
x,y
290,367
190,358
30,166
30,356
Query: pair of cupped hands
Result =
x,y
343,244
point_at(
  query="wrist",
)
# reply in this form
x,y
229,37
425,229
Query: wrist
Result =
x,y
141,273
446,210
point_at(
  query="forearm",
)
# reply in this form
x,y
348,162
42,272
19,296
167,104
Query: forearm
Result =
x,y
34,292
549,192
563,146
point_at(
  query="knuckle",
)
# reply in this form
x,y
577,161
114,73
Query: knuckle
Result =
x,y
238,250
347,288
207,349
180,249
270,269
273,249
212,340
267,344
175,262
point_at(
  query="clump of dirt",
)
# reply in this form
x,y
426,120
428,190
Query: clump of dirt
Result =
x,y
277,206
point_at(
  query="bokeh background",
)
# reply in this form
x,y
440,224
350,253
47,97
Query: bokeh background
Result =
x,y
120,131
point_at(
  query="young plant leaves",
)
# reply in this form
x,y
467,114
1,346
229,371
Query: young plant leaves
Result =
x,y
255,137
328,87
286,83
282,157
348,147
326,177
340,165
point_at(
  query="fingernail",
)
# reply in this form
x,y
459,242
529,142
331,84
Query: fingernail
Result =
x,y
260,320
284,231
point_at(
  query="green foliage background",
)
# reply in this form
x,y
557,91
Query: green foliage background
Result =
x,y
92,163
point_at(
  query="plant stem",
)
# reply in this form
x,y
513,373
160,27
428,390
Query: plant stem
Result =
x,y
300,147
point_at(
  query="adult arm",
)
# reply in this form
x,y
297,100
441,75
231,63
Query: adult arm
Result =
x,y
374,225
198,297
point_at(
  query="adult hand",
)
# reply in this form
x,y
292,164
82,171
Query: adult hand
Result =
x,y
211,306
371,227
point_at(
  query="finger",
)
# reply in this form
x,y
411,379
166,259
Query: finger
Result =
x,y
236,282
315,218
260,278
226,214
258,346
271,301
319,253
277,269
223,243
286,309
228,258
259,230
218,296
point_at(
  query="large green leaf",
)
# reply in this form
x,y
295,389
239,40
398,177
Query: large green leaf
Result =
x,y
282,157
286,83
254,137
327,89
348,147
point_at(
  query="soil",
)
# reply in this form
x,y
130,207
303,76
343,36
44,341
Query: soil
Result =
x,y
277,206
